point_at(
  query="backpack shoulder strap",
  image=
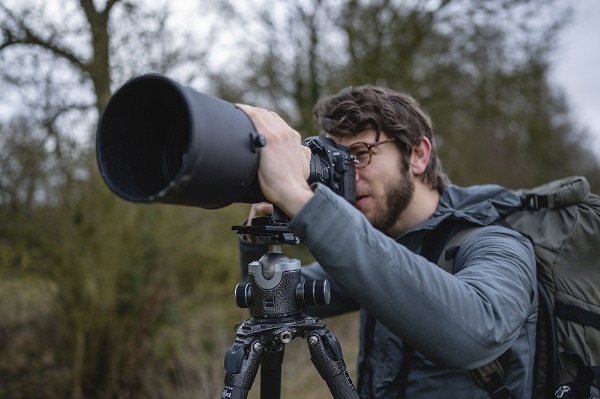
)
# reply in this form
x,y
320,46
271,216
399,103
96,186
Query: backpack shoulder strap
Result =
x,y
446,257
441,243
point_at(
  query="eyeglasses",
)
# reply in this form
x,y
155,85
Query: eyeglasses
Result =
x,y
362,152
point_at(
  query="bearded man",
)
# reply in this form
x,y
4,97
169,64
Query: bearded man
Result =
x,y
422,328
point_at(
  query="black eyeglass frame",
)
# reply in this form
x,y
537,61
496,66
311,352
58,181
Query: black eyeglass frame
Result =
x,y
370,146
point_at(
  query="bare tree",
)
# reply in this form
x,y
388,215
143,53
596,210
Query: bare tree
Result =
x,y
88,38
59,62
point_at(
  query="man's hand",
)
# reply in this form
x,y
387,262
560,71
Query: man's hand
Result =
x,y
284,161
260,209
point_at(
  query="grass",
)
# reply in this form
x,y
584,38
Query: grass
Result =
x,y
185,362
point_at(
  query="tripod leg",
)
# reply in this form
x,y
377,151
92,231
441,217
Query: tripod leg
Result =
x,y
326,355
241,362
270,372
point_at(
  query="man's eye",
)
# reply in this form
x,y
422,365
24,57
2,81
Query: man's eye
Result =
x,y
362,157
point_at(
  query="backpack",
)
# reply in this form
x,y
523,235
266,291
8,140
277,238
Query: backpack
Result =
x,y
562,219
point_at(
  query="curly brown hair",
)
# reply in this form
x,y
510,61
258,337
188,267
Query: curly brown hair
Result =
x,y
398,115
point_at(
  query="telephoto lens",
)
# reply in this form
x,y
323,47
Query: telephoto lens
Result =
x,y
159,141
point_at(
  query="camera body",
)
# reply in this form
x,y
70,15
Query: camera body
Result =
x,y
160,141
332,165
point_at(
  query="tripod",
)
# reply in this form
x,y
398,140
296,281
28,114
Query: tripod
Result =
x,y
275,295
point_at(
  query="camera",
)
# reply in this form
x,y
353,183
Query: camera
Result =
x,y
160,141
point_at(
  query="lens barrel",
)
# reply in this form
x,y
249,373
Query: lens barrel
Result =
x,y
160,141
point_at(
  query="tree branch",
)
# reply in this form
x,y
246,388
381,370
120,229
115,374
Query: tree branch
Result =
x,y
109,6
22,34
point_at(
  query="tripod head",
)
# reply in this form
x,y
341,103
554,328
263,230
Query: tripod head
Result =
x,y
275,289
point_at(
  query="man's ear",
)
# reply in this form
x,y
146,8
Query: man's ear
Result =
x,y
419,158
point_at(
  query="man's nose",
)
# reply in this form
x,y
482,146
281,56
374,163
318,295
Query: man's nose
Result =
x,y
357,174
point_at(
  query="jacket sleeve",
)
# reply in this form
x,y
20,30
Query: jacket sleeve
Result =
x,y
460,321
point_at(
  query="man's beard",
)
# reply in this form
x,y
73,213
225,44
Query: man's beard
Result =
x,y
397,197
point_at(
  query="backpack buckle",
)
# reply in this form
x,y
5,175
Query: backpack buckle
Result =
x,y
534,202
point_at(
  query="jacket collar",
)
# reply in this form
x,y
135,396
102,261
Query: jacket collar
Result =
x,y
481,205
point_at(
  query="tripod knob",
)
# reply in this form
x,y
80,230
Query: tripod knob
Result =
x,y
314,292
243,295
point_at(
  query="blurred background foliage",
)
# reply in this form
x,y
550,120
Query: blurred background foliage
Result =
x,y
106,299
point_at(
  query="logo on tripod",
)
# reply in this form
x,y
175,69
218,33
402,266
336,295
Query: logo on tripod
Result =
x,y
270,302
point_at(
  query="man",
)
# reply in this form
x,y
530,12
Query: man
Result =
x,y
422,328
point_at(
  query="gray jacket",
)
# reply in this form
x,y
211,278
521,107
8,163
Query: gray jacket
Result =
x,y
421,327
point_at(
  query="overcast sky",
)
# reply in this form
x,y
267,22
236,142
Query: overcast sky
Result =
x,y
577,65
